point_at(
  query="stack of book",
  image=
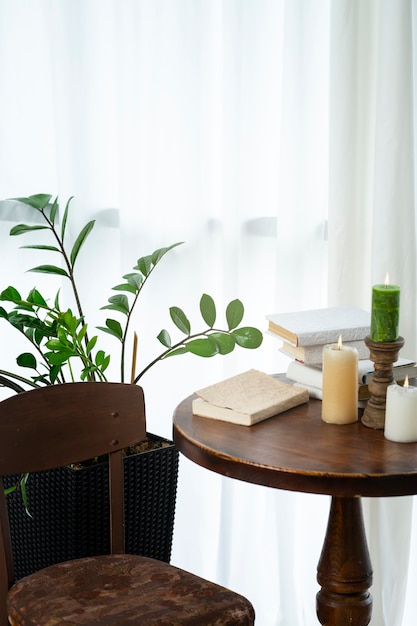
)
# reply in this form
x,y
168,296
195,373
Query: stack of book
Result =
x,y
304,333
310,377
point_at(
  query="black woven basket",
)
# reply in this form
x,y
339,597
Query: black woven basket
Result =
x,y
70,510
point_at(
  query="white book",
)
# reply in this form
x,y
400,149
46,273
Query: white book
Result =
x,y
400,369
312,376
313,355
309,375
320,326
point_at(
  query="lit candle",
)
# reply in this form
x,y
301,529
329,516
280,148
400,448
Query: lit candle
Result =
x,y
340,384
385,312
401,413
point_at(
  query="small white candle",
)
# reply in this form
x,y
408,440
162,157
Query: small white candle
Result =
x,y
401,413
340,384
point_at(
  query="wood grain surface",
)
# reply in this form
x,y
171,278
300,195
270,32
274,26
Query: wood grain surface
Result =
x,y
297,451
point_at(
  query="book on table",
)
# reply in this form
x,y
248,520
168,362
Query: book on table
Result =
x,y
311,377
320,326
313,355
401,368
247,398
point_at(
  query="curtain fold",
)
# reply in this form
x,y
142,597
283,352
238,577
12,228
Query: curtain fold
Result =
x,y
372,221
276,139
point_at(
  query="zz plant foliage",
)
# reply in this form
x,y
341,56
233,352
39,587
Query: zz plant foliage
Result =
x,y
61,348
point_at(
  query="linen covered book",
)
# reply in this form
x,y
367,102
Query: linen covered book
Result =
x,y
247,398
320,326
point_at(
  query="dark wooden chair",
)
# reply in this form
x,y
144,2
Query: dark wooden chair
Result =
x,y
51,427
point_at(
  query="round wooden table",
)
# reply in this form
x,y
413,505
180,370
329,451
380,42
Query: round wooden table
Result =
x,y
297,451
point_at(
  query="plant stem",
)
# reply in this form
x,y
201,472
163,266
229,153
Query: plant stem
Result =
x,y
70,274
4,380
67,263
129,316
166,352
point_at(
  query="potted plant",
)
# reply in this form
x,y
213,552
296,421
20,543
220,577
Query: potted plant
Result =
x,y
61,350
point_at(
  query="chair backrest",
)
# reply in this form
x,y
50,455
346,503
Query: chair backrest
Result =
x,y
54,426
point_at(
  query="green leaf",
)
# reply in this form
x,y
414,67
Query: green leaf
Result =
x,y
99,357
56,301
44,325
56,344
208,310
59,358
105,363
65,217
24,306
80,241
114,307
86,373
10,490
120,301
113,327
82,333
203,346
102,360
36,298
177,352
134,279
234,313
91,344
54,209
43,379
157,255
125,287
11,295
164,338
69,321
38,335
180,320
49,269
54,372
38,201
248,337
225,342
26,360
21,321
20,229
144,265
50,248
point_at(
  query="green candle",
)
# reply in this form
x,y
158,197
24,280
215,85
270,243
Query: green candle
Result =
x,y
385,313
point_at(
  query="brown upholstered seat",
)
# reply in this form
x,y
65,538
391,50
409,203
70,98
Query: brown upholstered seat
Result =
x,y
54,426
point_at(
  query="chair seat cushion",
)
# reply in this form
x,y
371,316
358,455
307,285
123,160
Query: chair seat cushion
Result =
x,y
123,589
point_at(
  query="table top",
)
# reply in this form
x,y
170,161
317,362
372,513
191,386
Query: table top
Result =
x,y
297,451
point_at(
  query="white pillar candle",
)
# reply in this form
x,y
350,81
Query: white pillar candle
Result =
x,y
340,384
401,413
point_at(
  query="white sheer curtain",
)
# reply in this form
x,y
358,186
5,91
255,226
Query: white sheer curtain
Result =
x,y
237,126
372,224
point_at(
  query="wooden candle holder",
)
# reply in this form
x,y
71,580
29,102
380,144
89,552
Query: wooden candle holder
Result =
x,y
383,354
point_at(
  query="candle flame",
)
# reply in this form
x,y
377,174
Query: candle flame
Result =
x,y
339,343
406,381
386,279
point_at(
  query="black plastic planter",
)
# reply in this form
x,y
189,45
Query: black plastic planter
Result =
x,y
69,509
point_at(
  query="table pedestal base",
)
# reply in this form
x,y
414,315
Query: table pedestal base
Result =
x,y
344,571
